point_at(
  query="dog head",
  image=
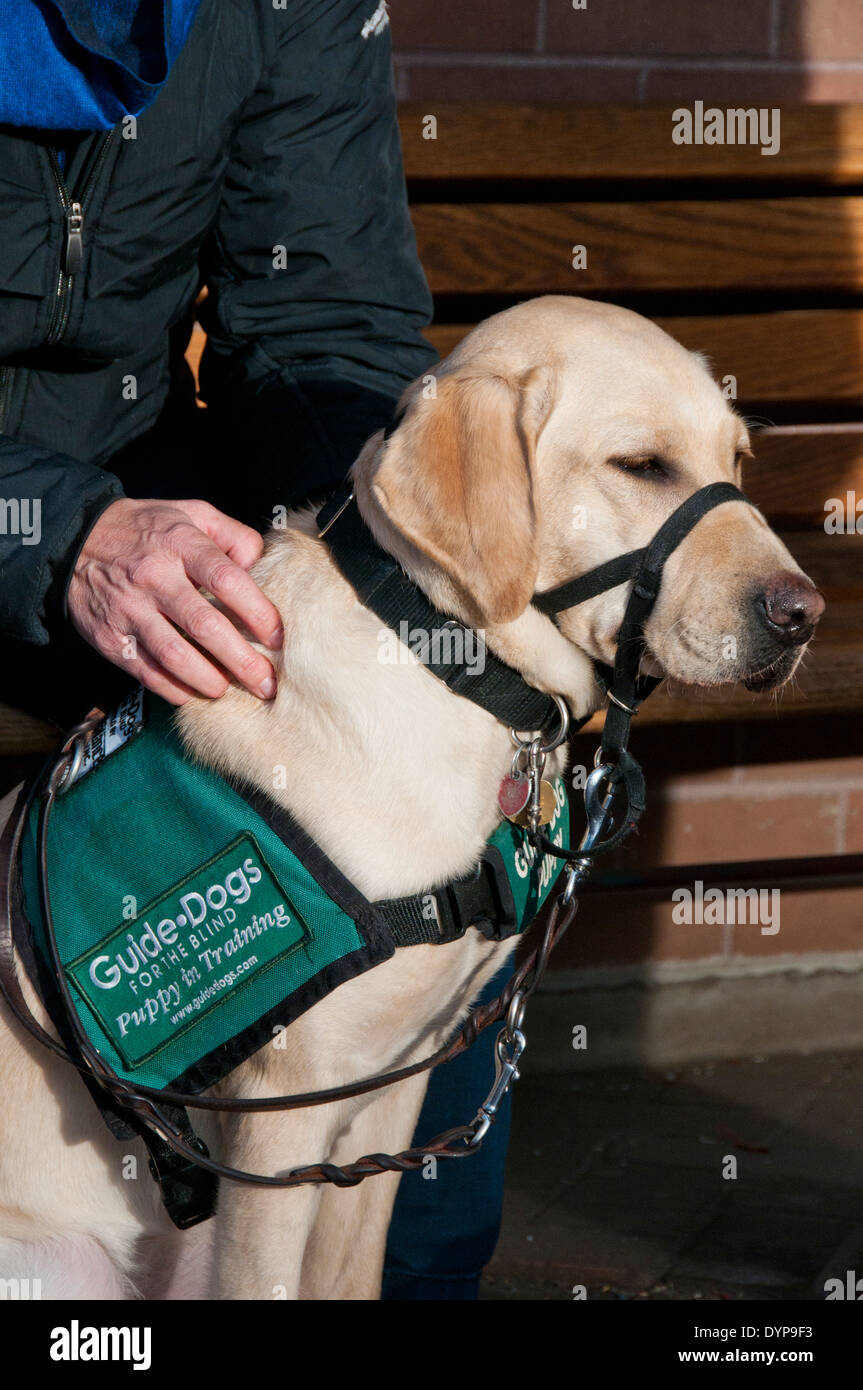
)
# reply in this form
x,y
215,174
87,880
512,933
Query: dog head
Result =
x,y
560,434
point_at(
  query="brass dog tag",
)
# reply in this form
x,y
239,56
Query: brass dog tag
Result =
x,y
547,807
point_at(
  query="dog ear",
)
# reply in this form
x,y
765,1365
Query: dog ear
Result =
x,y
457,480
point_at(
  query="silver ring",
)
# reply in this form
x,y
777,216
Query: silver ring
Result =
x,y
76,744
515,1014
620,705
73,766
515,770
563,710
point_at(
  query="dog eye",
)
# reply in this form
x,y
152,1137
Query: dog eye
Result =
x,y
647,464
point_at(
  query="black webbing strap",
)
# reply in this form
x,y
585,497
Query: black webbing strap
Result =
x,y
596,581
483,900
382,585
623,685
627,689
643,563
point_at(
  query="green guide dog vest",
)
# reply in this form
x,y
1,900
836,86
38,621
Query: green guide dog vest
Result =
x,y
195,919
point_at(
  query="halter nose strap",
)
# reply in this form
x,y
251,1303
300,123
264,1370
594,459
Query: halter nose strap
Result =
x,y
624,687
644,563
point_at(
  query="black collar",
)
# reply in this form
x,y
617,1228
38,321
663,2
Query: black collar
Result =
x,y
382,585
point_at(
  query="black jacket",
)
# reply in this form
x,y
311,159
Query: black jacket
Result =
x,y
269,169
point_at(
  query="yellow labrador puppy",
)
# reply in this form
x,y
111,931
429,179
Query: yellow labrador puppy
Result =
x,y
562,433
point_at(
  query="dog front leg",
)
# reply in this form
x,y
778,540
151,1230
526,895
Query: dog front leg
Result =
x,y
345,1254
261,1233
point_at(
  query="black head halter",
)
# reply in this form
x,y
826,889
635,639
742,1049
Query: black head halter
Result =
x,y
383,586
623,685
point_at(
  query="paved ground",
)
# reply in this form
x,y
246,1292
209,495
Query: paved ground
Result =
x,y
616,1182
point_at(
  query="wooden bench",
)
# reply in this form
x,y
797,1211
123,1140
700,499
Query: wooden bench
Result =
x,y
756,260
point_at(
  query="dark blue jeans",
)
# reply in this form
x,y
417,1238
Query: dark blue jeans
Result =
x,y
445,1228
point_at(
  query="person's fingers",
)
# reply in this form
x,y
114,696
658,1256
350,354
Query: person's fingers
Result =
x,y
147,564
168,650
241,543
210,568
118,648
218,636
244,546
155,678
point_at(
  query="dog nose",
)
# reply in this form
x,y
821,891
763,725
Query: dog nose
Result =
x,y
791,606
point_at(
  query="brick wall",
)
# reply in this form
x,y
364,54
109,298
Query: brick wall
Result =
x,y
757,51
789,788
718,793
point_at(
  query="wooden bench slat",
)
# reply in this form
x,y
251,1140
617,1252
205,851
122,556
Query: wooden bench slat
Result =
x,y
790,355
776,244
809,355
795,355
830,679
795,472
820,144
21,735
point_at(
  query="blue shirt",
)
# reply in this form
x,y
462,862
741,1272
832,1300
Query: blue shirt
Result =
x,y
85,64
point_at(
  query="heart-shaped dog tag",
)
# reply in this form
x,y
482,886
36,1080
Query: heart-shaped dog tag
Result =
x,y
513,796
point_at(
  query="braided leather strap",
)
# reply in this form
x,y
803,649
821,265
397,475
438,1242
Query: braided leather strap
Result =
x,y
144,1102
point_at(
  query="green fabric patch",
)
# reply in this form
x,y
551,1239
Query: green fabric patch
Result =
x,y
180,984
216,931
531,875
145,817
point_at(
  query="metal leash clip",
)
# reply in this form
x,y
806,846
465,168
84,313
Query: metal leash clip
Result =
x,y
509,1047
540,806
597,808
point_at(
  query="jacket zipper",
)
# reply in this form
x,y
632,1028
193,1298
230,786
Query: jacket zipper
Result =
x,y
72,258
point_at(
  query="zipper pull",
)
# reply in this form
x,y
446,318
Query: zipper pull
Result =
x,y
74,256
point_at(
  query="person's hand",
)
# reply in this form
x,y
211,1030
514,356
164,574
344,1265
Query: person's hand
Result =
x,y
134,594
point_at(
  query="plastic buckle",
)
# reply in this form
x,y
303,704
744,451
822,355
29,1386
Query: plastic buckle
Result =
x,y
449,924
188,1192
484,900
501,920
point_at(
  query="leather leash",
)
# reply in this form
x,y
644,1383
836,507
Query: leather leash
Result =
x,y
617,770
144,1102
